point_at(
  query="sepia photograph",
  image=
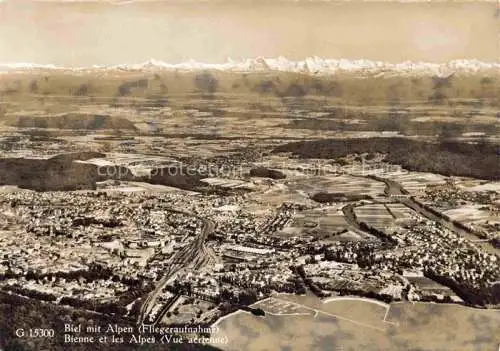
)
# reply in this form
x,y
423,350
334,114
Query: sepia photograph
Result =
x,y
250,175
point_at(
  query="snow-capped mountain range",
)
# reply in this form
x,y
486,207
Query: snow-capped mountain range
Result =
x,y
311,65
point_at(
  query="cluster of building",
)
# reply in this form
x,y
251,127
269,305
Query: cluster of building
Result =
x,y
425,247
67,235
116,246
450,195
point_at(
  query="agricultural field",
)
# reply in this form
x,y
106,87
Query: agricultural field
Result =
x,y
344,184
376,216
327,224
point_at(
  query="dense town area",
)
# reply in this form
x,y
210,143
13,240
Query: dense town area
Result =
x,y
181,257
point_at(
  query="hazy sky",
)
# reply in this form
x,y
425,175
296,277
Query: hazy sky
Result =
x,y
82,34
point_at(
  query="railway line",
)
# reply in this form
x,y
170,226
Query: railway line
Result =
x,y
193,256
